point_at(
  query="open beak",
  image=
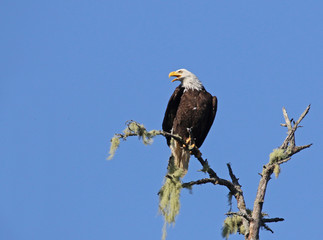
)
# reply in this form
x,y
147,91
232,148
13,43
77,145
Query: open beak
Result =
x,y
174,74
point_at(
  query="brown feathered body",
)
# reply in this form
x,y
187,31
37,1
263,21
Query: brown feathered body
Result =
x,y
189,112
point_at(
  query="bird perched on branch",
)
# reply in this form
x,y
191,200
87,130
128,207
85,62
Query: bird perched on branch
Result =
x,y
190,114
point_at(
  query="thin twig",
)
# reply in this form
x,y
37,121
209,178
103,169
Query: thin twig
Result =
x,y
199,182
233,177
267,228
241,214
270,220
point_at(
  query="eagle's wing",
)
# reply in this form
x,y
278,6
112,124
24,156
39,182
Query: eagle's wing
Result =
x,y
211,117
214,107
171,110
203,117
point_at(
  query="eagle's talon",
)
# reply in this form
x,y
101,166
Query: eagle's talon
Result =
x,y
187,143
191,147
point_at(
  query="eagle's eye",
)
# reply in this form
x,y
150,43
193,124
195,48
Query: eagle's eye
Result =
x,y
180,71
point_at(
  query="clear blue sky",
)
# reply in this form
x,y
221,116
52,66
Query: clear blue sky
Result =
x,y
72,72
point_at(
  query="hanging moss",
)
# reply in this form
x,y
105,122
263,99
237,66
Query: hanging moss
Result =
x,y
169,196
276,170
115,142
232,225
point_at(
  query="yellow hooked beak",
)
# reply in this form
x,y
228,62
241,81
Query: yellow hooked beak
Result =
x,y
174,74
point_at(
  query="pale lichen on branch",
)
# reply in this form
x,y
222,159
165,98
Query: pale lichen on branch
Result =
x,y
136,129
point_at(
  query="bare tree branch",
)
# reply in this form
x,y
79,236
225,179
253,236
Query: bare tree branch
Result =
x,y
289,149
290,139
251,223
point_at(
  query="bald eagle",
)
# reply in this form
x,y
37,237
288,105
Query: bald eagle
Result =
x,y
190,112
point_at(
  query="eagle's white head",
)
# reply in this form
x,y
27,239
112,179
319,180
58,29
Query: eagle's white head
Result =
x,y
188,80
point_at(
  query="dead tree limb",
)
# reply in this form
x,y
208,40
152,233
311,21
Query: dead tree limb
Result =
x,y
288,149
252,220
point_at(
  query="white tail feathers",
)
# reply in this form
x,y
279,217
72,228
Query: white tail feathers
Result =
x,y
181,156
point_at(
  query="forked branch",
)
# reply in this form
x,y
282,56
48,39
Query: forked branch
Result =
x,y
281,155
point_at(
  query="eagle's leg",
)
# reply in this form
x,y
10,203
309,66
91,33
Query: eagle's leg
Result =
x,y
190,141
